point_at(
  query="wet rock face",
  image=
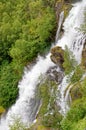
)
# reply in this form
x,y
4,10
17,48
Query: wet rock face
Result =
x,y
55,74
84,56
58,9
85,45
57,56
62,5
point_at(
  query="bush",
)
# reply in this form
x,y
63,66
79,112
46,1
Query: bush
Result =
x,y
81,125
66,124
75,115
8,85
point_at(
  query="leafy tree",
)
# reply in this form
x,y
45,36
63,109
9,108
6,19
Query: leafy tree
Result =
x,y
26,29
8,85
28,21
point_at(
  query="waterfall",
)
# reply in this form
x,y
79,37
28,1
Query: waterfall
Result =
x,y
59,25
74,39
26,105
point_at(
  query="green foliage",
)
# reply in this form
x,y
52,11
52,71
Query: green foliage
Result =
x,y
75,115
81,125
77,112
17,124
78,73
72,69
49,115
52,120
28,22
8,85
76,92
83,87
25,30
66,124
48,95
69,61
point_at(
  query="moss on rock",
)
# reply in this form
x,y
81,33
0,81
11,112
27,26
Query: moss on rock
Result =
x,y
57,56
76,92
62,5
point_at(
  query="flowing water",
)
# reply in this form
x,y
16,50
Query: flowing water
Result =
x,y
74,39
59,25
27,105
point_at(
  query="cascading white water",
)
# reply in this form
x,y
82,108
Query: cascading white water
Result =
x,y
74,39
59,25
26,106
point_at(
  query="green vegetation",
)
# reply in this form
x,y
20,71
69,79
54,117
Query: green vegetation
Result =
x,y
76,116
26,28
78,73
8,85
72,69
69,61
49,115
17,125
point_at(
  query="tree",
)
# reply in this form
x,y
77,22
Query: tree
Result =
x,y
8,85
26,29
69,61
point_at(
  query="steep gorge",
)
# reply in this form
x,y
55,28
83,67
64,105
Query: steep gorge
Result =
x,y
26,107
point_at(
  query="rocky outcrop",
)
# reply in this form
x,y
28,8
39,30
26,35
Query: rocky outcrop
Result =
x,y
54,75
62,5
57,56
